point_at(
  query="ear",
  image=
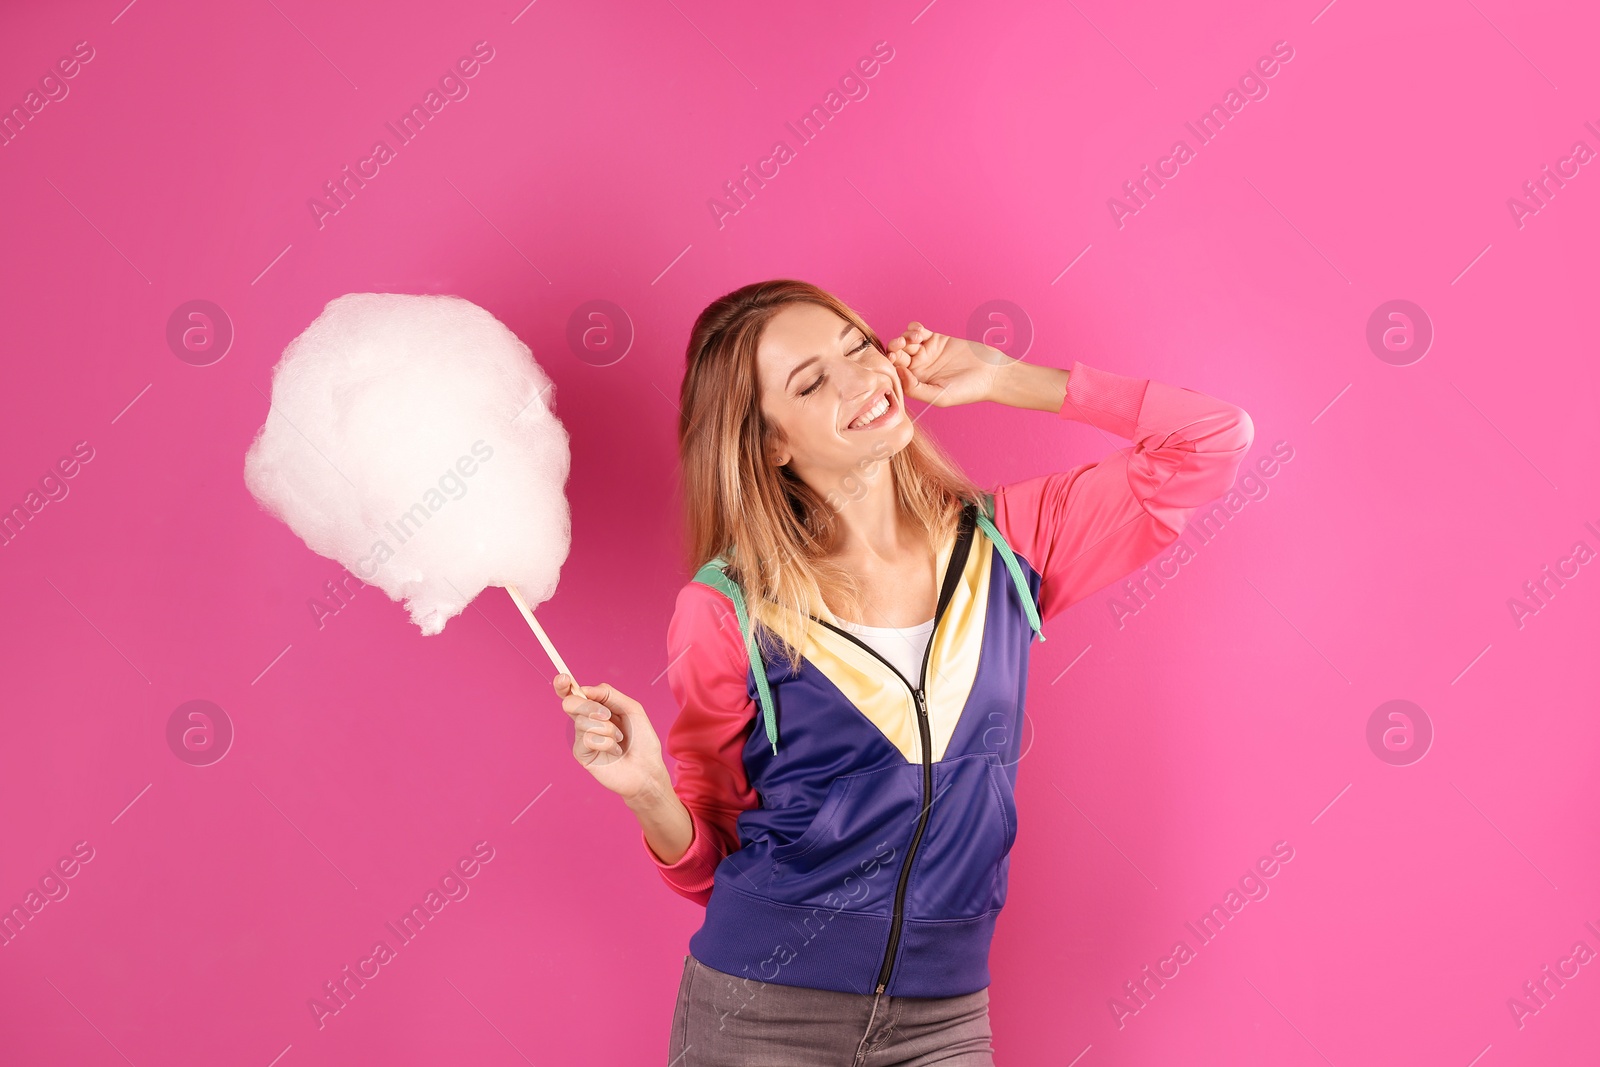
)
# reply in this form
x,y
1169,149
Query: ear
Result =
x,y
777,454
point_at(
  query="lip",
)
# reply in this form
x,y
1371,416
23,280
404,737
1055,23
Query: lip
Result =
x,y
893,404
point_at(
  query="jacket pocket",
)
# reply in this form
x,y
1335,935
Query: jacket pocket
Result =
x,y
849,857
819,823
1006,797
970,831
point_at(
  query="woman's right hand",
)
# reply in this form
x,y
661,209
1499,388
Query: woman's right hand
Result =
x,y
613,739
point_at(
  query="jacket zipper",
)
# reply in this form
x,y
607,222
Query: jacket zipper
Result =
x,y
953,570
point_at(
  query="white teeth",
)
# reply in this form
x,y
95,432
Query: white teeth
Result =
x,y
872,413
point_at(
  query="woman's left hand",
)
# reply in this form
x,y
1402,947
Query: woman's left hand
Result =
x,y
944,371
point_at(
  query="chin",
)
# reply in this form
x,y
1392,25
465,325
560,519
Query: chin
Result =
x,y
889,444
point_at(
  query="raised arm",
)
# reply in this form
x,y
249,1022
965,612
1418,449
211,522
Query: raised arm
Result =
x,y
1085,527
708,671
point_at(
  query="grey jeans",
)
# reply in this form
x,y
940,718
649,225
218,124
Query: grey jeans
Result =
x,y
723,1020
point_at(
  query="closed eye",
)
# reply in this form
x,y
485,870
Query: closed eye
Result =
x,y
814,386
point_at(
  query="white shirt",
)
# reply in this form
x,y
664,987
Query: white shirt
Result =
x,y
902,646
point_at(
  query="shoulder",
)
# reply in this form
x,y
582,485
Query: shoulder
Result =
x,y
708,673
705,627
698,603
1023,511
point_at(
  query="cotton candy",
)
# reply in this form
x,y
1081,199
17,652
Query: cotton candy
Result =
x,y
412,439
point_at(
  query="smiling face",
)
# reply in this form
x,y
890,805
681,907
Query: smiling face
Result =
x,y
818,375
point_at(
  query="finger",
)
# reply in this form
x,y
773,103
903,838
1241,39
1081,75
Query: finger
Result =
x,y
601,742
601,700
619,703
580,693
908,381
578,707
573,696
593,742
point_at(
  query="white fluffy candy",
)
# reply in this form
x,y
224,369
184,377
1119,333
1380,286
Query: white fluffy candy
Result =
x,y
411,438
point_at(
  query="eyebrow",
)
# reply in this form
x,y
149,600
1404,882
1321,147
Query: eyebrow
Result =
x,y
804,363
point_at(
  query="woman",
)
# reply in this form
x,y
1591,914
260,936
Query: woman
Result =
x,y
851,662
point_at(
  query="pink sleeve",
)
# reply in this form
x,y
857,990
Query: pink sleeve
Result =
x,y
708,671
1088,526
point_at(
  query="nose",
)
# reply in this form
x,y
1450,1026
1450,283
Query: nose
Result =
x,y
864,384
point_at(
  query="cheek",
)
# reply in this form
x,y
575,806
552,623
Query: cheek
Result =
x,y
814,438
815,433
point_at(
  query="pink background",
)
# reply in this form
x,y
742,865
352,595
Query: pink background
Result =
x,y
1228,714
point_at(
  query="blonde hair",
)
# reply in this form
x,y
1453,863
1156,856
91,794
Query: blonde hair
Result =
x,y
775,531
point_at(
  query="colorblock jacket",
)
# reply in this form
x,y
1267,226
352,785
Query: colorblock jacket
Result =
x,y
852,826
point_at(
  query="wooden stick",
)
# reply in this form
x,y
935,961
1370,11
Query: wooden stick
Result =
x,y
538,631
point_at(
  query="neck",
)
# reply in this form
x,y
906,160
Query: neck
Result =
x,y
872,527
